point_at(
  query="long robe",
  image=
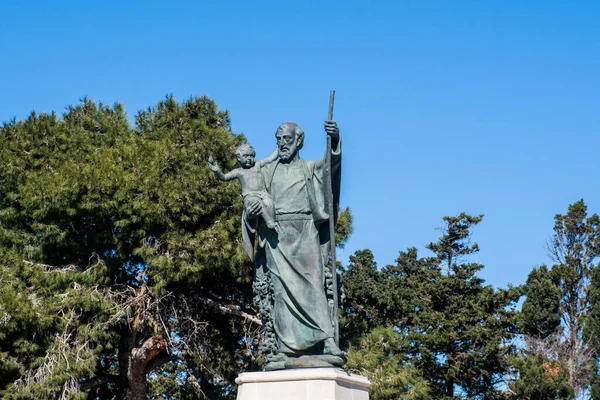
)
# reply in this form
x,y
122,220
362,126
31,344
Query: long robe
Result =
x,y
296,254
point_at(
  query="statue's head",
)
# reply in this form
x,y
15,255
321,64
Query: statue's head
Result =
x,y
245,155
290,138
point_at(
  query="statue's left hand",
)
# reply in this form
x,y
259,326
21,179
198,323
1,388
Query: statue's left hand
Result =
x,y
332,130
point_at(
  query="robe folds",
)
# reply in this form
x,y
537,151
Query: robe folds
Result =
x,y
295,255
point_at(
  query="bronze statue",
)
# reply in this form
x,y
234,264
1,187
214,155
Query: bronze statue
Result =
x,y
287,213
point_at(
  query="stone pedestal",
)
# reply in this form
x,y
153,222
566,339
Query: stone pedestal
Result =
x,y
302,384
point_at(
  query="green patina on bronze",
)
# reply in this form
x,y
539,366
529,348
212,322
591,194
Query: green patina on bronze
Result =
x,y
291,256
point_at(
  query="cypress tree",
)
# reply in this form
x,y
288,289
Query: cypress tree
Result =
x,y
559,321
541,308
592,328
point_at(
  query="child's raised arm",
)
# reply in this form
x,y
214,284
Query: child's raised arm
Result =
x,y
269,159
231,175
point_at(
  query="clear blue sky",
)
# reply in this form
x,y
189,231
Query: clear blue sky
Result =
x,y
486,107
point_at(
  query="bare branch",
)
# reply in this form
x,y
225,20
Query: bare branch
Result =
x,y
229,311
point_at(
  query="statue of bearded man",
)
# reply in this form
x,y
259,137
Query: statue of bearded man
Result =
x,y
294,255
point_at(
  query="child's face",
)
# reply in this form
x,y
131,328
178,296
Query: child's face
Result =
x,y
246,158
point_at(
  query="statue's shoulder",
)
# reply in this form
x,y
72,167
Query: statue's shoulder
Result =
x,y
308,167
269,168
267,172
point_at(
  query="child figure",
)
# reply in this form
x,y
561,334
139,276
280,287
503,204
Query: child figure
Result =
x,y
251,179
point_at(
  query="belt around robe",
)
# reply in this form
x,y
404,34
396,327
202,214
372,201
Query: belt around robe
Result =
x,y
293,217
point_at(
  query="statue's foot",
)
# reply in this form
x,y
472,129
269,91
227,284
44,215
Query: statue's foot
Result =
x,y
329,347
276,361
275,365
316,361
278,357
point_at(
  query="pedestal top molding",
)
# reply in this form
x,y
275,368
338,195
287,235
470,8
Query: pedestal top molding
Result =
x,y
306,374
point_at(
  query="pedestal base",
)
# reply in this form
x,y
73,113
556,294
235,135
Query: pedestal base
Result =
x,y
302,384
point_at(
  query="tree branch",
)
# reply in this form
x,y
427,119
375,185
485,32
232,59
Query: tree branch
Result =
x,y
229,311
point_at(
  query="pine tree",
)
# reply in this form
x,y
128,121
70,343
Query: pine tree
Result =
x,y
454,244
454,332
372,305
381,355
467,335
120,259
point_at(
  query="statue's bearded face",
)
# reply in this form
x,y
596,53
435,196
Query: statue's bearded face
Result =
x,y
287,143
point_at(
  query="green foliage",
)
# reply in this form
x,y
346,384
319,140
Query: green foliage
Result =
x,y
54,327
457,331
595,387
592,327
111,235
343,228
364,297
567,295
454,242
541,308
466,340
382,356
540,379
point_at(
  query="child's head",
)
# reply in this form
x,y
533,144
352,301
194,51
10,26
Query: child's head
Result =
x,y
245,155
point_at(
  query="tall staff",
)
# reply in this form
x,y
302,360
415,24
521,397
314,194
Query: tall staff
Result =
x,y
332,219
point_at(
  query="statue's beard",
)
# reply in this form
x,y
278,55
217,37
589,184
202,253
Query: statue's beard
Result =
x,y
286,153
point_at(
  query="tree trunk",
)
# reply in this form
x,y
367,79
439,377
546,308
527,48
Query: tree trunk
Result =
x,y
137,366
